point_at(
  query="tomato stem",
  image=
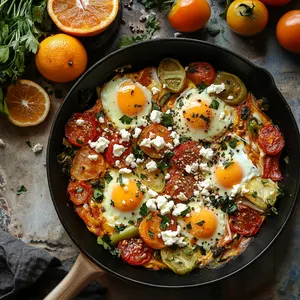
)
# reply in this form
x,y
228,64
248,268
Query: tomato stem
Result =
x,y
246,11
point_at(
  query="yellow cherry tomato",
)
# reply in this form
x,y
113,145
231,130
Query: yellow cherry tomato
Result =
x,y
247,17
189,15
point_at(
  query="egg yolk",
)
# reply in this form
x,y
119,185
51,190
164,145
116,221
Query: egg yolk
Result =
x,y
203,224
228,177
131,98
199,116
127,197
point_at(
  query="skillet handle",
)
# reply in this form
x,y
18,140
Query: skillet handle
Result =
x,y
82,273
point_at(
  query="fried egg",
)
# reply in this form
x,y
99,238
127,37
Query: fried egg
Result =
x,y
233,169
122,98
203,226
122,199
200,116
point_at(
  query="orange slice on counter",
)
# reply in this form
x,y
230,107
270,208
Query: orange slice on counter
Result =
x,y
83,17
28,103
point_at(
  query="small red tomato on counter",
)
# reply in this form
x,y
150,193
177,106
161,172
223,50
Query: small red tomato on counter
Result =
x,y
247,17
288,31
189,15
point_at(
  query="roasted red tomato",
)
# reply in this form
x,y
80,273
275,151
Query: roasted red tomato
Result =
x,y
111,158
87,164
134,251
271,167
146,77
79,191
185,154
80,129
180,183
155,130
245,221
200,72
270,139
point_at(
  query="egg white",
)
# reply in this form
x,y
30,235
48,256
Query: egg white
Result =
x,y
218,125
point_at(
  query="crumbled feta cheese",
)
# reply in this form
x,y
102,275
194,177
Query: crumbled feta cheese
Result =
x,y
166,209
182,196
158,143
117,163
192,168
123,202
235,190
124,171
196,193
188,169
92,156
205,192
204,167
151,204
85,206
206,184
100,145
80,122
155,116
152,193
146,143
37,148
139,160
130,161
101,120
222,115
179,208
169,145
125,135
118,150
161,201
143,188
170,237
154,90
151,166
216,88
230,97
165,86
207,153
2,144
137,132
167,176
126,189
151,135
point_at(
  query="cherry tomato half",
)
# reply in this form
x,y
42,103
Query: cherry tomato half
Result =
x,y
288,29
80,129
134,251
245,221
270,139
189,15
200,72
79,191
247,17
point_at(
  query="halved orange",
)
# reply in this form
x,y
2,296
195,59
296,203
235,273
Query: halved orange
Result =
x,y
83,17
28,103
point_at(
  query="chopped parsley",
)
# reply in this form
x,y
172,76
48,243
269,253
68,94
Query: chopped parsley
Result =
x,y
165,222
201,87
162,165
166,120
206,119
185,212
233,143
226,204
144,210
214,104
120,180
149,218
183,139
201,223
168,155
180,102
98,195
131,222
108,178
79,142
79,190
100,114
137,152
126,120
21,190
223,146
105,241
254,194
112,203
228,164
150,233
155,106
245,113
189,226
143,176
119,228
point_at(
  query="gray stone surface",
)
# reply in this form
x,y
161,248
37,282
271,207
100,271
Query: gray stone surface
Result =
x,y
31,216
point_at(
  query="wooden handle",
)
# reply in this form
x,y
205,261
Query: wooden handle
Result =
x,y
82,273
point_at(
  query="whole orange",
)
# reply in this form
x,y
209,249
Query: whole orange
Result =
x,y
61,58
189,15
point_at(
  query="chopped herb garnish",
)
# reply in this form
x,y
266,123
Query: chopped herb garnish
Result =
x,y
108,178
98,195
144,210
189,226
223,146
185,212
126,120
162,165
230,127
245,113
137,152
206,119
112,203
214,104
143,176
201,223
155,106
228,164
254,194
165,222
119,228
100,114
105,241
264,182
165,98
28,143
180,102
233,143
201,87
79,190
168,155
21,190
202,250
131,222
150,233
120,180
183,139
149,218
166,120
79,142
253,126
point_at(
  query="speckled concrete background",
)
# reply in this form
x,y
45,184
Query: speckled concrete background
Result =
x,y
31,216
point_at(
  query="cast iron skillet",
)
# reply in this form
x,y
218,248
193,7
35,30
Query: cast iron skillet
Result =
x,y
256,79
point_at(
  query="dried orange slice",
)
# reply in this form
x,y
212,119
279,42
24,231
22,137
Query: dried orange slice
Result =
x,y
83,17
28,103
